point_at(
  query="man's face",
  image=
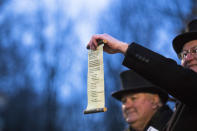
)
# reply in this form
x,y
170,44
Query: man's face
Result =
x,y
190,59
138,108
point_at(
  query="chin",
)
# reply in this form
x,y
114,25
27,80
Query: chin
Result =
x,y
130,121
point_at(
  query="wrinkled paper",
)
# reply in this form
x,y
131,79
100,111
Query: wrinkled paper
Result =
x,y
95,89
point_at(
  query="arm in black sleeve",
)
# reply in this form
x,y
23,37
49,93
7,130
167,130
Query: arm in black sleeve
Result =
x,y
163,72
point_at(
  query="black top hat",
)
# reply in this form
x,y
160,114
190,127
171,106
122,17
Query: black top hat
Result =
x,y
189,35
134,83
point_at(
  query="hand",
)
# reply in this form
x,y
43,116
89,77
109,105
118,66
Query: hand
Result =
x,y
111,45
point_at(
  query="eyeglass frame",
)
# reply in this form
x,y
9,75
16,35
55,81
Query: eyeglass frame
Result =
x,y
183,54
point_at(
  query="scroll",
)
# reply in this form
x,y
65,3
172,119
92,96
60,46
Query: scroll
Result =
x,y
95,89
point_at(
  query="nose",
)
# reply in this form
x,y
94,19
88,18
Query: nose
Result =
x,y
189,56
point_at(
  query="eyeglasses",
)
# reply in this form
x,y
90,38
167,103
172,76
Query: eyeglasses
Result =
x,y
184,53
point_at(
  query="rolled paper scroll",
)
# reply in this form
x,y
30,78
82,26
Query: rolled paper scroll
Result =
x,y
95,89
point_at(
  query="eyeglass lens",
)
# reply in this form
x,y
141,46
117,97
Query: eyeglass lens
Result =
x,y
184,53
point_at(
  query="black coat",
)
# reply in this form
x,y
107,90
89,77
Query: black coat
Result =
x,y
159,119
176,80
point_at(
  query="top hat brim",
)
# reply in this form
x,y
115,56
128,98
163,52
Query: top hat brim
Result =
x,y
181,39
154,90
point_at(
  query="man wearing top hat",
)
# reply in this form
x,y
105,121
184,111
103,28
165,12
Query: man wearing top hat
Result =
x,y
143,104
178,80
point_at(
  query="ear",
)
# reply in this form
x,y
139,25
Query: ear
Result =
x,y
156,103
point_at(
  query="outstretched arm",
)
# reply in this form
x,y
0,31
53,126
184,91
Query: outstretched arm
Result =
x,y
159,70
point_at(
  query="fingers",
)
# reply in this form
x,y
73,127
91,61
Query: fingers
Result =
x,y
100,41
88,46
93,43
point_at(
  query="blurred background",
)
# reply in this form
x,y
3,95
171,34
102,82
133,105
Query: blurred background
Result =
x,y
43,57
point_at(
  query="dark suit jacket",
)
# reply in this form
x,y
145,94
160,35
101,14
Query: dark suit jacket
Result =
x,y
176,80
